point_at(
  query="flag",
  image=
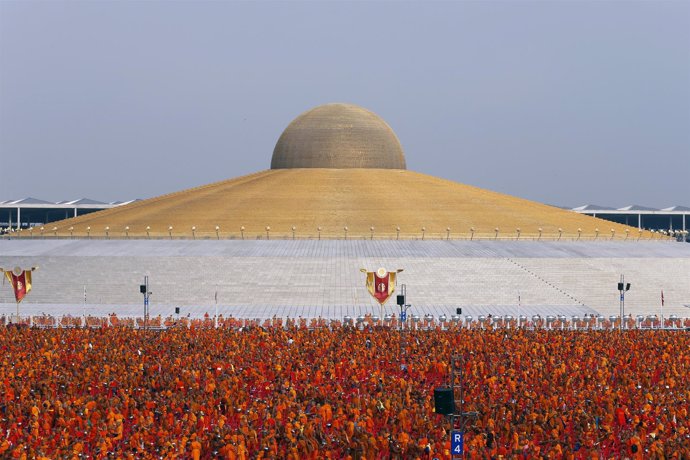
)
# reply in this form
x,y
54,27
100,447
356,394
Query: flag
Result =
x,y
20,281
381,283
662,297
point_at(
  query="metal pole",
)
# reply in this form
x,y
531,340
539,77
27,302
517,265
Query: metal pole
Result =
x,y
518,311
146,303
622,302
458,385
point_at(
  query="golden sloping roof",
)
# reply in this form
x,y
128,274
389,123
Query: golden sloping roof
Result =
x,y
338,136
333,199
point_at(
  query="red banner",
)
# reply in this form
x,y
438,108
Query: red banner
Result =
x,y
381,284
381,287
20,281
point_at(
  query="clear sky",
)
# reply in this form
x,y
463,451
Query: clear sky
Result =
x,y
565,103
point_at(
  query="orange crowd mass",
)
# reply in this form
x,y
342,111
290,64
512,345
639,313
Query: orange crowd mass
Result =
x,y
340,393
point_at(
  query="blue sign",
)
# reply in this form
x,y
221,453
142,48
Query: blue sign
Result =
x,y
403,316
146,300
457,443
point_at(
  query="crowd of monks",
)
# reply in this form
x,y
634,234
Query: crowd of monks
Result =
x,y
341,393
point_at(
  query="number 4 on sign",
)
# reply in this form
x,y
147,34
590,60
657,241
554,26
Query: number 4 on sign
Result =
x,y
456,442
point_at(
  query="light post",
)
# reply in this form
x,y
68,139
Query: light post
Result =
x,y
471,233
447,233
400,300
397,233
55,231
613,232
345,228
71,232
217,232
242,231
423,230
42,229
517,230
539,230
107,233
318,229
215,317
268,229
457,415
127,232
144,289
560,233
371,229
496,233
170,229
596,233
31,232
293,231
579,232
88,232
193,232
623,287
627,234
148,229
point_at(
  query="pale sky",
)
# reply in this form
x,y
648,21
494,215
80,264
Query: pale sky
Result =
x,y
565,103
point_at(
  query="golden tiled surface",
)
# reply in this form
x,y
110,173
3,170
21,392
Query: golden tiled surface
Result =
x,y
333,199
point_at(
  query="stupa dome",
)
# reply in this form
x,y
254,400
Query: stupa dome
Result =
x,y
338,136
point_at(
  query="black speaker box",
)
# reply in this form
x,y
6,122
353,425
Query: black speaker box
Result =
x,y
443,401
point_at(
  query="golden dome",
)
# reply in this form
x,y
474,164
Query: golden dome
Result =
x,y
338,136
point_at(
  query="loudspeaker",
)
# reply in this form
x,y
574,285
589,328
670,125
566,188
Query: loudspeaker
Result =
x,y
177,310
443,401
401,299
142,288
458,311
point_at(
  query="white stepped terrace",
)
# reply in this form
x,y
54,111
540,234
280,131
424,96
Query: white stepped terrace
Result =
x,y
308,278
